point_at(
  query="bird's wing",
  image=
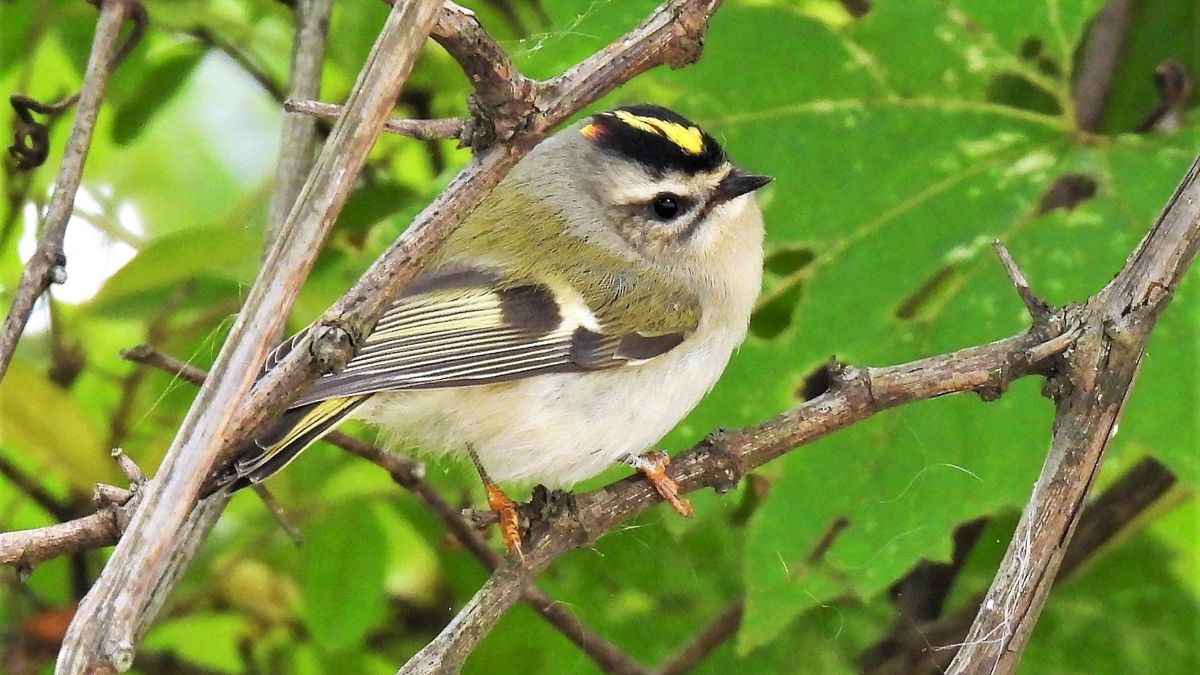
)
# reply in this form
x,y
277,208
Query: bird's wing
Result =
x,y
462,327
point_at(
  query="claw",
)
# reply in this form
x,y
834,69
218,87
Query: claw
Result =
x,y
653,465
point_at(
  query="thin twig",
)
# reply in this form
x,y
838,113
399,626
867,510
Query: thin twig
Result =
x,y
278,513
48,263
721,628
243,58
421,130
1033,303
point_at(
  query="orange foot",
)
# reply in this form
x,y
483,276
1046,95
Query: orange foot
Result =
x,y
503,506
506,516
653,465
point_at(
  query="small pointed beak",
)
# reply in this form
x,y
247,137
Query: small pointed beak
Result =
x,y
737,183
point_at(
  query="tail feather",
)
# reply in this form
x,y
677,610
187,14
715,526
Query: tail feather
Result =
x,y
294,431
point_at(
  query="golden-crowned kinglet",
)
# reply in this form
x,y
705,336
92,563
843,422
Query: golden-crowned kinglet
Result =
x,y
570,322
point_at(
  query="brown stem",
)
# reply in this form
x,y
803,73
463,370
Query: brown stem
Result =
x,y
48,264
422,130
720,629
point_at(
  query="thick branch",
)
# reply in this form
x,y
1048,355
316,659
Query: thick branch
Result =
x,y
1091,389
154,550
48,264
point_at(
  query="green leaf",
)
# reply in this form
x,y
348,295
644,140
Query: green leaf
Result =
x,y
212,253
40,421
208,640
342,576
162,80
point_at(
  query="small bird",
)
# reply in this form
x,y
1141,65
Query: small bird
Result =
x,y
587,305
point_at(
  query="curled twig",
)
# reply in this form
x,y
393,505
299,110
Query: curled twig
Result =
x,y
31,138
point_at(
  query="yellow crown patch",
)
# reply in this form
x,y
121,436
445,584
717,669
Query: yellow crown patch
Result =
x,y
689,139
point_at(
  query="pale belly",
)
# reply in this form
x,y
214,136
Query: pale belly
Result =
x,y
554,429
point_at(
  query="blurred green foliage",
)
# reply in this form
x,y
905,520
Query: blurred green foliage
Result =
x,y
902,142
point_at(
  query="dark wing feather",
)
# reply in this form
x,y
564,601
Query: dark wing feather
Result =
x,y
458,329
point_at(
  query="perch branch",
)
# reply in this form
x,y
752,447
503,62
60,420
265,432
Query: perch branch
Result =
x,y
721,459
48,263
1090,389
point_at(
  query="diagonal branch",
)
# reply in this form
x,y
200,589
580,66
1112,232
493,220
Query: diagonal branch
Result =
x,y
930,646
48,264
1090,389
162,536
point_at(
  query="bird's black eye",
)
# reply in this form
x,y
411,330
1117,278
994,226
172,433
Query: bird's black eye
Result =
x,y
665,206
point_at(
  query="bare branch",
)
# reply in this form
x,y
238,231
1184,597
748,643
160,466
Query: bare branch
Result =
x,y
24,549
1091,387
48,264
422,130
